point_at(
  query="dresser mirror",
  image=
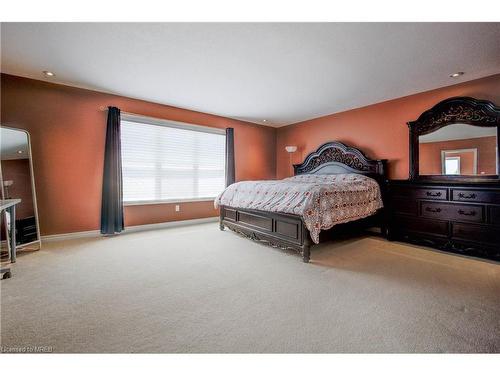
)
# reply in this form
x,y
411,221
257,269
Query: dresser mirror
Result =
x,y
459,150
16,178
456,140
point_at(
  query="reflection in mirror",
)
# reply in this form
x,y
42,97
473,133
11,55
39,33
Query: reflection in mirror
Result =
x,y
459,149
17,183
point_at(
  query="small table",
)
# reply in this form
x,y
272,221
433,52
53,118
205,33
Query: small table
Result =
x,y
9,205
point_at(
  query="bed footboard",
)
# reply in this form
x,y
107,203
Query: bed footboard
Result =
x,y
282,231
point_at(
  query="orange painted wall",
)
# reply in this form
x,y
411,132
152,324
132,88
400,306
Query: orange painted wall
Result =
x,y
380,129
430,155
67,131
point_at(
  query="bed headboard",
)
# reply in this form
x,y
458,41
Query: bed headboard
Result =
x,y
335,157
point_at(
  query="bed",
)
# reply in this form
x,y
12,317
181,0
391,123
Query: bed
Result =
x,y
335,186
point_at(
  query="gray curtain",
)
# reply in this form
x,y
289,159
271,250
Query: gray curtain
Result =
x,y
230,174
112,190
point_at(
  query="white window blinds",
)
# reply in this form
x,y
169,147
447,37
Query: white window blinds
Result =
x,y
163,161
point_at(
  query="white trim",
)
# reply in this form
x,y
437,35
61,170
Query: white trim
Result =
x,y
131,229
132,117
168,201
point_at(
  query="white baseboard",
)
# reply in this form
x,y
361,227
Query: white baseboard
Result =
x,y
131,229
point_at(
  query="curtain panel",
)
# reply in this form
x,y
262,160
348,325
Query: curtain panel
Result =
x,y
230,168
112,185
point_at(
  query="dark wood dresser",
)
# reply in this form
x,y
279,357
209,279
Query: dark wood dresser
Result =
x,y
459,217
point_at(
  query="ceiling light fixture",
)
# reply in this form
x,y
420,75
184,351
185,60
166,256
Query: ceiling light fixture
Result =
x,y
46,73
457,74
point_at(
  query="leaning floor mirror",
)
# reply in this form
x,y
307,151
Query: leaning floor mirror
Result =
x,y
17,182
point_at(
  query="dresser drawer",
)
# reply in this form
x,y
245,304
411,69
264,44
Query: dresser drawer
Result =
x,y
406,206
464,195
494,215
450,211
419,193
479,233
415,224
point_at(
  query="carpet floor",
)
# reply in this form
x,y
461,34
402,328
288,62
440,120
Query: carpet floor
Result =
x,y
196,289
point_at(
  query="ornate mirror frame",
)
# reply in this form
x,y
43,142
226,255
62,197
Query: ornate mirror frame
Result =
x,y
463,110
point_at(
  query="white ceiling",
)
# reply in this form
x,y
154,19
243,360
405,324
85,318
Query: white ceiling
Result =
x,y
11,142
282,72
458,131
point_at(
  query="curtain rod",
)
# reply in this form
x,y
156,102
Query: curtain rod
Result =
x,y
104,109
173,123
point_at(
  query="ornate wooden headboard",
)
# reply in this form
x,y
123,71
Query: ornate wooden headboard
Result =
x,y
335,157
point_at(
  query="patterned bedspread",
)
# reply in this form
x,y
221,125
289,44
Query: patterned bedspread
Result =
x,y
321,200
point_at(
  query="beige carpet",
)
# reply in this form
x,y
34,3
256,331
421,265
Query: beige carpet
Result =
x,y
197,289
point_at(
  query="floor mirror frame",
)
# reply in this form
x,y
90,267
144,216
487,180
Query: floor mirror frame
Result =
x,y
33,245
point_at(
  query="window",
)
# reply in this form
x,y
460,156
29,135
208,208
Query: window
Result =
x,y
168,161
452,165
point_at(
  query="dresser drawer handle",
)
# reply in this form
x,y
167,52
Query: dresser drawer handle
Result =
x,y
470,213
470,196
431,194
432,209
